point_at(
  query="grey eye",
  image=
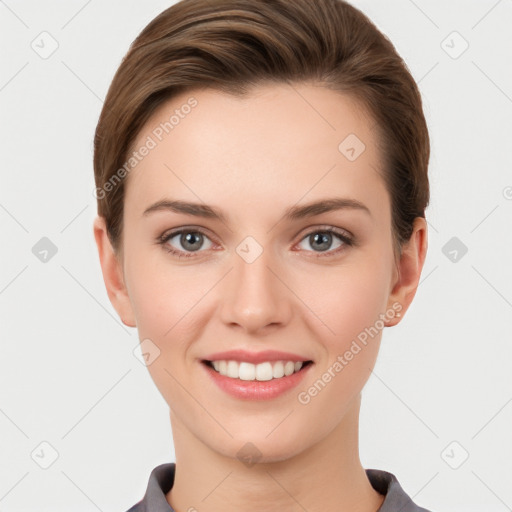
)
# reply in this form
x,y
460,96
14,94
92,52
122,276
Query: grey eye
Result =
x,y
322,240
190,241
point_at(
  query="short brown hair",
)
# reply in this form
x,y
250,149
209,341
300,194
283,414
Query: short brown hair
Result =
x,y
232,45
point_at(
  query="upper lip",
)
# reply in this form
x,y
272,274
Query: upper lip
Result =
x,y
255,357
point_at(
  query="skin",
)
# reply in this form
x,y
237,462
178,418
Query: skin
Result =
x,y
252,159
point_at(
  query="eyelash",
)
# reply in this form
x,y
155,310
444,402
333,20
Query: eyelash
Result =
x,y
345,238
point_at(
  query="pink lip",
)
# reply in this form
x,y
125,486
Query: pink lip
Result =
x,y
256,390
255,357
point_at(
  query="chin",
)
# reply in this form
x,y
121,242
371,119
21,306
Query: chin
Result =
x,y
260,450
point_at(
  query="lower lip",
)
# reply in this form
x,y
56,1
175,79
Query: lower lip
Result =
x,y
256,389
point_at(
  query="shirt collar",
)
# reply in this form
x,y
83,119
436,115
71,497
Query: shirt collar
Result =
x,y
161,481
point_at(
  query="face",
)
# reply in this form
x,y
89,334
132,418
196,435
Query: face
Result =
x,y
251,269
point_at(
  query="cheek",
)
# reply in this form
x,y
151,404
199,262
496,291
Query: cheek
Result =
x,y
166,311
344,300
162,296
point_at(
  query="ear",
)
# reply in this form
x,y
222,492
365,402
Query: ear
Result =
x,y
409,269
113,276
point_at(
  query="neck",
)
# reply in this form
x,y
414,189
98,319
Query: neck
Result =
x,y
327,477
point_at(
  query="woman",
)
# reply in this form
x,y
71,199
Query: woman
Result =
x,y
261,173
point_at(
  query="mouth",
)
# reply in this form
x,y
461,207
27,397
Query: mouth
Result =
x,y
264,371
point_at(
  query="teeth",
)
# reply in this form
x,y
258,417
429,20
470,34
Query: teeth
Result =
x,y
260,372
278,370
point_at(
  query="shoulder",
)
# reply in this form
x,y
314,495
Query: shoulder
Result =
x,y
395,497
160,482
136,508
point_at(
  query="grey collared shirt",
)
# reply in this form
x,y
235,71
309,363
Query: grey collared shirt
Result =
x,y
161,480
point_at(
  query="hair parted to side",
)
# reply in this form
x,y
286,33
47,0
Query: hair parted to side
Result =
x,y
233,45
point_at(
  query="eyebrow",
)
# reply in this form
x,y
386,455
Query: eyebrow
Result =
x,y
291,214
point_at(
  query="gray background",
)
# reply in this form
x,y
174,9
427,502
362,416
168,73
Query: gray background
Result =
x,y
442,387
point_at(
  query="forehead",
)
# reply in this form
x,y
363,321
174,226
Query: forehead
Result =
x,y
280,140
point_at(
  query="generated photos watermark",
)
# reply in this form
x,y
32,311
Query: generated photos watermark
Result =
x,y
342,360
151,142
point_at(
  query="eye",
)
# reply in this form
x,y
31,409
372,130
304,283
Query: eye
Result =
x,y
322,239
186,242
190,240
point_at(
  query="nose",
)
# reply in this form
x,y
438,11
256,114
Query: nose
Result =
x,y
256,300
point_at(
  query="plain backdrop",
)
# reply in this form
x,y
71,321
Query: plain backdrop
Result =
x,y
81,422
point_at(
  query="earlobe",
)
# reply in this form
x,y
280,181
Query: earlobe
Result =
x,y
112,271
409,270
